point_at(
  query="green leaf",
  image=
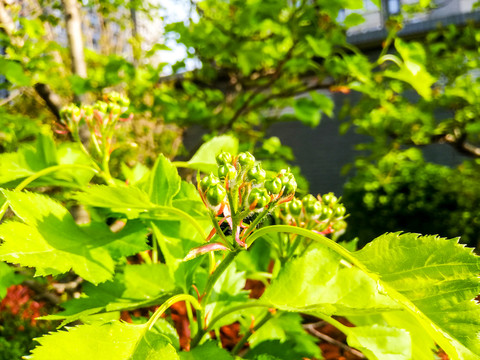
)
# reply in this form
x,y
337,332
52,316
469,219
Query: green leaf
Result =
x,y
381,342
50,241
436,279
164,182
116,340
189,201
204,158
287,327
307,112
209,350
413,70
319,281
28,160
14,72
274,350
128,200
324,103
135,287
176,239
353,19
432,279
321,47
227,291
8,277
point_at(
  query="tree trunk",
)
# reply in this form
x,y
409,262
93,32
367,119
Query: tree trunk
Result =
x,y
75,38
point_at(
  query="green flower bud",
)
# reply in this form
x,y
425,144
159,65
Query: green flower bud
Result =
x,y
274,185
208,181
329,199
258,198
101,106
245,159
216,194
256,174
314,208
308,199
327,213
339,212
227,171
288,182
295,207
114,109
88,110
224,158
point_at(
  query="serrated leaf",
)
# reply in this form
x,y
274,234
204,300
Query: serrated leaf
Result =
x,y
134,287
116,340
319,281
431,278
209,350
204,158
439,279
164,182
50,241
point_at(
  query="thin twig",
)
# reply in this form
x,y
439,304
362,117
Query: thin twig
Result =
x,y
311,329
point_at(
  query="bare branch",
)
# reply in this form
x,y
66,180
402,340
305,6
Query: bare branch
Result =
x,y
311,329
52,100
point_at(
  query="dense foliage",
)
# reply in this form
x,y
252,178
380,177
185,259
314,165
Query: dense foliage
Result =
x,y
403,192
113,231
170,242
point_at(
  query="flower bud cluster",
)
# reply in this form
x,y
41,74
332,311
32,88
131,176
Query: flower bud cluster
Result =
x,y
324,214
241,189
247,183
101,119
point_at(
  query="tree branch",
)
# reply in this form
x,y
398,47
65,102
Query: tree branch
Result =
x,y
311,329
461,145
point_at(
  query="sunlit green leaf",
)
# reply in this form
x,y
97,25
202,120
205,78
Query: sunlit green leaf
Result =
x,y
204,158
114,340
437,276
50,241
164,182
133,287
